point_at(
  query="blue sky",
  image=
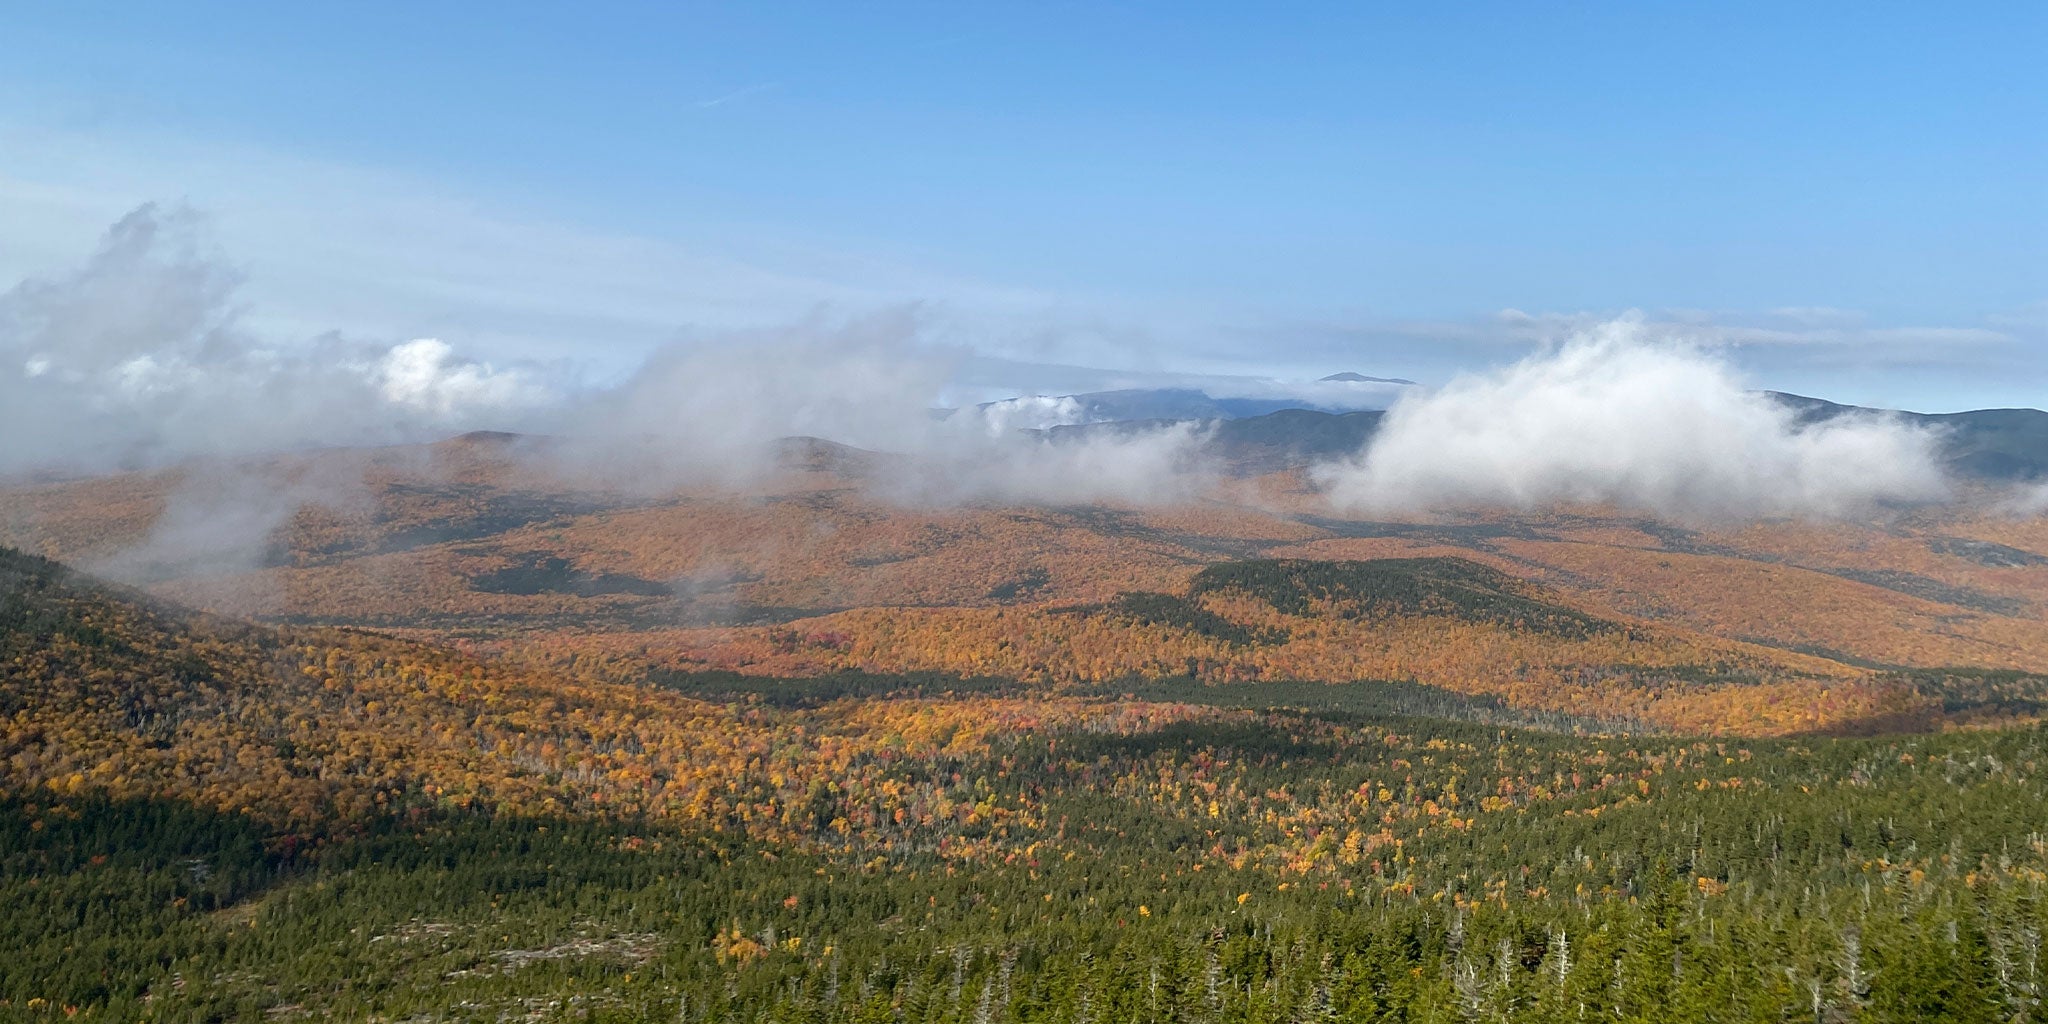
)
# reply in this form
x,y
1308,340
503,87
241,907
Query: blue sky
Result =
x,y
1855,195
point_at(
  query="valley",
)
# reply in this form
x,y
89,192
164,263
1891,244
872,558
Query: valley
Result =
x,y
449,732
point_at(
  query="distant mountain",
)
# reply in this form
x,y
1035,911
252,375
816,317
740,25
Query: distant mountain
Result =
x,y
817,455
1347,377
1174,404
1998,445
1261,444
1257,444
1131,405
1986,444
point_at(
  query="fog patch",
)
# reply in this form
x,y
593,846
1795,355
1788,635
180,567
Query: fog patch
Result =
x,y
716,410
1616,417
223,519
1150,465
2027,502
712,409
709,594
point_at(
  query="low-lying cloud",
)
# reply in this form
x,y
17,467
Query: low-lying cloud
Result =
x,y
218,520
713,408
138,358
715,411
1152,465
2028,502
1616,417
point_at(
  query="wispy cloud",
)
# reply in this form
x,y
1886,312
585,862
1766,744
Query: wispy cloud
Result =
x,y
332,247
141,357
736,95
2000,358
364,254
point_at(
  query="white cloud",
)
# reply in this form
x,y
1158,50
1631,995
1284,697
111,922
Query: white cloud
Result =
x,y
715,405
219,518
1030,412
425,375
1151,466
712,410
1793,326
140,357
1625,415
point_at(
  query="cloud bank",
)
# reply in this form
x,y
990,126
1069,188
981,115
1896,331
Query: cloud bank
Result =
x,y
1619,417
714,410
139,358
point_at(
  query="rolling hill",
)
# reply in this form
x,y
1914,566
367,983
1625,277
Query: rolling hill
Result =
x,y
451,732
1983,445
206,820
1759,627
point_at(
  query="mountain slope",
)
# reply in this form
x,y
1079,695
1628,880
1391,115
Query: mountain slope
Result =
x,y
466,542
110,694
1343,392
1989,445
1984,444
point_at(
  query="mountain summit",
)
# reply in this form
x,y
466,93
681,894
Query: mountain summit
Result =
x,y
1347,377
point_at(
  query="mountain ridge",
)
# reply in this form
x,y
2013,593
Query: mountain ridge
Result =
x,y
1991,444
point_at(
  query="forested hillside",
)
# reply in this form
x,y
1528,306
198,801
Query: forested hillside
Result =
x,y
1445,621
464,738
205,820
1023,514
108,692
1752,627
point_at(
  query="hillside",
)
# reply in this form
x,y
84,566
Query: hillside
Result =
x,y
203,820
1450,623
1986,444
1981,445
1761,627
216,820
1023,514
108,692
1274,442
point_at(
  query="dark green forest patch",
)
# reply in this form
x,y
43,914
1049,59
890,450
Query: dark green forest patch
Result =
x,y
533,574
1395,587
1173,611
